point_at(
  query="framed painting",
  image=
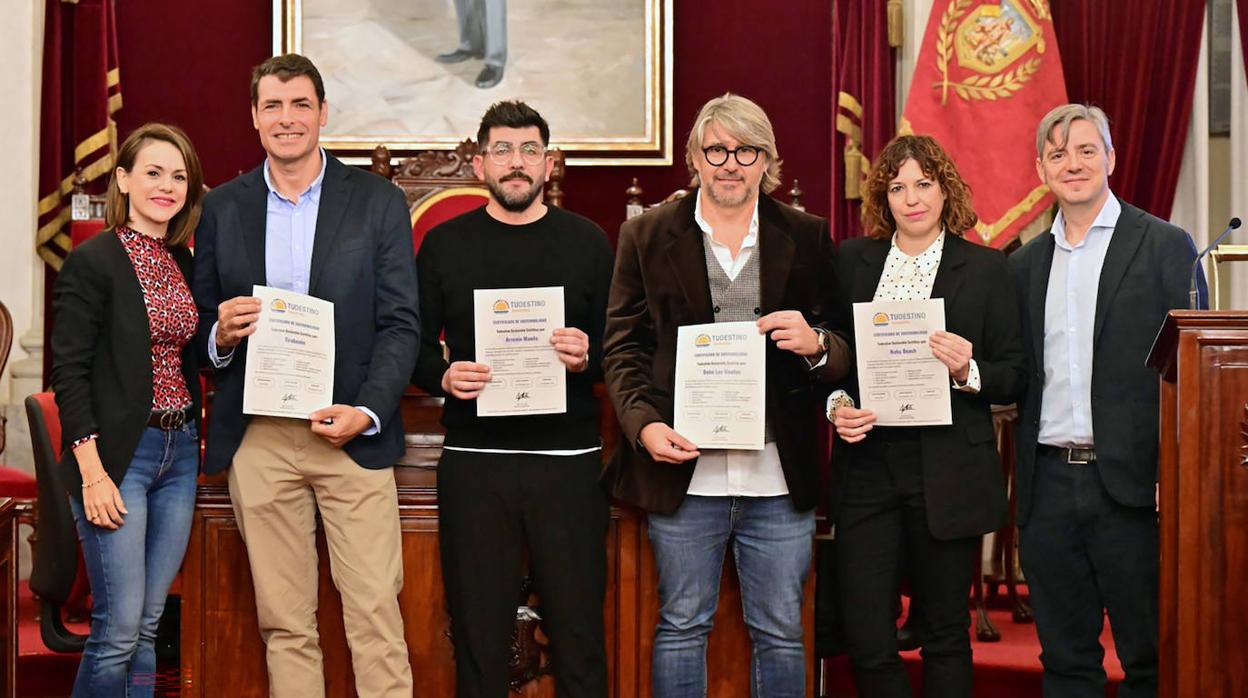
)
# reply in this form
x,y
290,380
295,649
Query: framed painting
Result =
x,y
418,74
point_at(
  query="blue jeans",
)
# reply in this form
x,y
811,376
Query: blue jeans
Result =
x,y
131,567
771,544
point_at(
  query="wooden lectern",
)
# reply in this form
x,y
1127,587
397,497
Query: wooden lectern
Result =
x,y
1203,360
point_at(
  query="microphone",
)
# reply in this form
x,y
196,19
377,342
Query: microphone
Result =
x,y
1193,297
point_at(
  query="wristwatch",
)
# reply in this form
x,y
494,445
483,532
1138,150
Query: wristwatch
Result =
x,y
822,336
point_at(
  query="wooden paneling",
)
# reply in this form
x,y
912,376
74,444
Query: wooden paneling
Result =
x,y
219,625
1203,357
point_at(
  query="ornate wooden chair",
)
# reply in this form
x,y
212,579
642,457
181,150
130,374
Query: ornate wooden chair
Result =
x,y
58,575
14,483
440,184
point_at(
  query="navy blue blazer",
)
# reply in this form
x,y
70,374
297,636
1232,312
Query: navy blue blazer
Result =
x,y
1145,275
362,261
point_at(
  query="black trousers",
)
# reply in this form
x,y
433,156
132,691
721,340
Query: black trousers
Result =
x,y
489,507
1084,554
882,515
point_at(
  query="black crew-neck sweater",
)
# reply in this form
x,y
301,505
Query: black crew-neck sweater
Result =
x,y
475,251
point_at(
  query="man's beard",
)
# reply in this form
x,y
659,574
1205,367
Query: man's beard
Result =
x,y
730,201
515,202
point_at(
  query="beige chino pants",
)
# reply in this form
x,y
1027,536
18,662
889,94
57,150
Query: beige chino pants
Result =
x,y
281,474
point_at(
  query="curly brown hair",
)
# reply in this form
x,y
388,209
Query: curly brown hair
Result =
x,y
958,215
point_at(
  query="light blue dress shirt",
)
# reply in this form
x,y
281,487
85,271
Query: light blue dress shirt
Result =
x,y
289,231
1069,320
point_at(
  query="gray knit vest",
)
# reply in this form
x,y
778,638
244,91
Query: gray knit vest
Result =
x,y
735,300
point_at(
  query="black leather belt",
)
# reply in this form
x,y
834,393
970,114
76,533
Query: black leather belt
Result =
x,y
169,420
1081,455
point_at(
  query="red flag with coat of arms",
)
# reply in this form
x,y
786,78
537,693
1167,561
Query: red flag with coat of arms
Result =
x,y
987,73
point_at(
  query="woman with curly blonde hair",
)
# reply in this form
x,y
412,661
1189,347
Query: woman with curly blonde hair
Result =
x,y
923,494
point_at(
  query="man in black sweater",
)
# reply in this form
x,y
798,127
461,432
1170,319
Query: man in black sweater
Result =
x,y
511,480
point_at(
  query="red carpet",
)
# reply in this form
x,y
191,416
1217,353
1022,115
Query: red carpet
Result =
x,y
1009,668
42,673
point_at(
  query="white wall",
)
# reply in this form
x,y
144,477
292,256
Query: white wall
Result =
x,y
21,272
1239,162
1191,196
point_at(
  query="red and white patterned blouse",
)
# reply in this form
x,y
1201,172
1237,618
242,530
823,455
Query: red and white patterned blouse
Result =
x,y
171,314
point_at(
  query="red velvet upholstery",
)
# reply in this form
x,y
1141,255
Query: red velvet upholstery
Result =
x,y
78,600
443,206
81,231
17,484
52,419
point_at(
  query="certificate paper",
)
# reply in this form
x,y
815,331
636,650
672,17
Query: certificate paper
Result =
x,y
721,373
898,377
290,357
513,329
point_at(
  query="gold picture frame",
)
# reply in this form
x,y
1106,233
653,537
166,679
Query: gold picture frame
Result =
x,y
602,76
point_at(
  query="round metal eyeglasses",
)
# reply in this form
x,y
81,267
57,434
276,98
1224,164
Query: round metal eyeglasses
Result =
x,y
530,153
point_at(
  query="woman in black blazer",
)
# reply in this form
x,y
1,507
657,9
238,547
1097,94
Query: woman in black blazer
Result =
x,y
919,498
127,387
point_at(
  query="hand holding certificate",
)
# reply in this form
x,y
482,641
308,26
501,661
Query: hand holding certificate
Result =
x,y
720,384
290,356
513,337
898,376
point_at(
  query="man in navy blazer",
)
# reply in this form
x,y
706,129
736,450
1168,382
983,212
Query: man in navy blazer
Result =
x,y
1093,293
306,223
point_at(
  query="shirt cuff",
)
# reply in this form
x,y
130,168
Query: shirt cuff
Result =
x,y
376,428
89,437
217,360
972,384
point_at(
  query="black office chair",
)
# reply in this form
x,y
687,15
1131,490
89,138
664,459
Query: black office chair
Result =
x,y
57,577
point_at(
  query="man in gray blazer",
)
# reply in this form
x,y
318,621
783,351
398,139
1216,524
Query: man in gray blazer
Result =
x,y
1093,291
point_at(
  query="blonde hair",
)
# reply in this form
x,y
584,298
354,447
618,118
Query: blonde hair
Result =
x,y
746,122
117,204
1060,118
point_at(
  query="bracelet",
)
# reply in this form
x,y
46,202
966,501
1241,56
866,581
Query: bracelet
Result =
x,y
103,477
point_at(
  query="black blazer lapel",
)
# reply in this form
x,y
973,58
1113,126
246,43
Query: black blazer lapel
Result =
x,y
867,277
775,255
949,274
253,221
131,311
1128,234
335,196
1038,288
688,260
